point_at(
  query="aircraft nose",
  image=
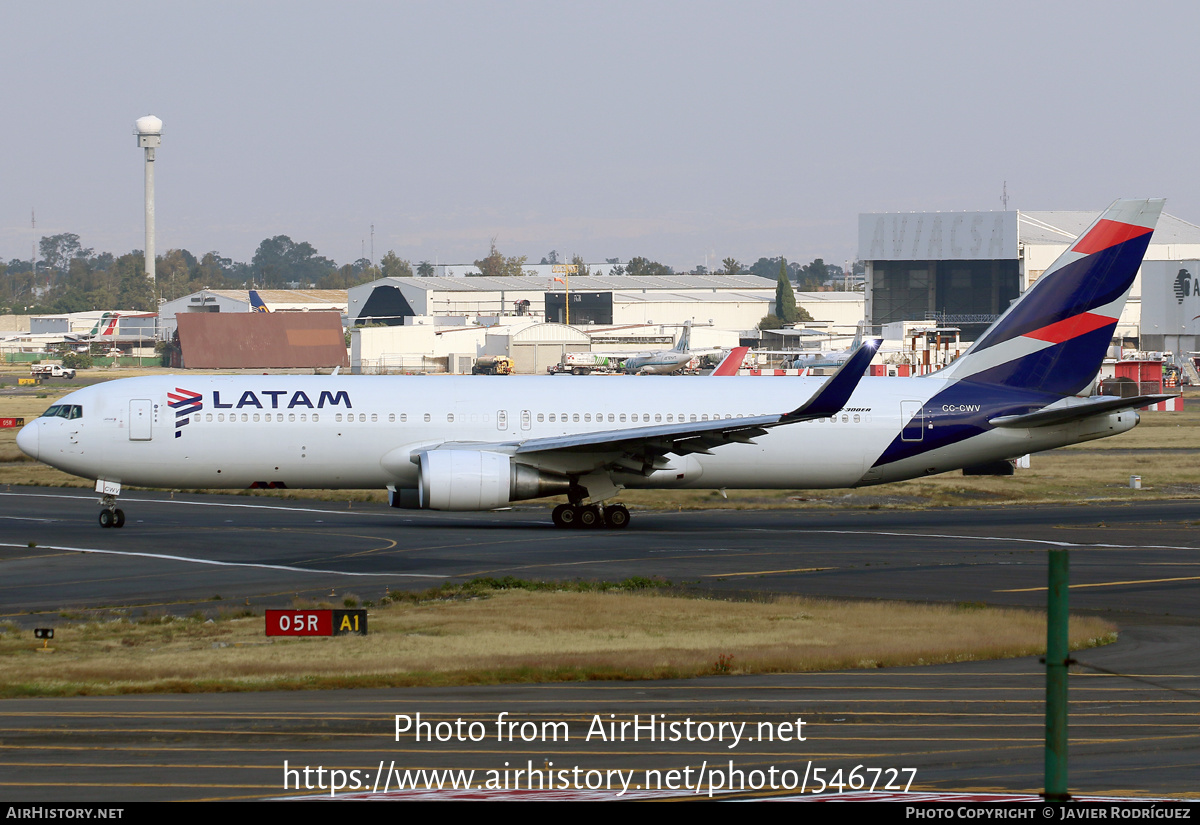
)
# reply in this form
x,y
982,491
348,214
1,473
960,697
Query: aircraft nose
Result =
x,y
27,439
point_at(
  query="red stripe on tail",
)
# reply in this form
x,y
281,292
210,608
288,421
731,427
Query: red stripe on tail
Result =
x,y
1108,233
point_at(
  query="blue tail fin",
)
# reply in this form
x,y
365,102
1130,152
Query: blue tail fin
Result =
x,y
256,303
1053,338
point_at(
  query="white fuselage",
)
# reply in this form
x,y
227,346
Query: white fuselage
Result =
x,y
365,431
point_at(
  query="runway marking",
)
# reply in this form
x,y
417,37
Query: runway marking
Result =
x,y
978,538
767,572
330,512
1106,584
166,557
27,518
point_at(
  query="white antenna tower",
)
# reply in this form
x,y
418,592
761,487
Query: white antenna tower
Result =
x,y
149,134
1004,196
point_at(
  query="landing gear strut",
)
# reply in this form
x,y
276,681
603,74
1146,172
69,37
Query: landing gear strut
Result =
x,y
111,515
613,517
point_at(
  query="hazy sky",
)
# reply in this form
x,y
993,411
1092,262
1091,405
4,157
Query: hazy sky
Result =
x,y
672,130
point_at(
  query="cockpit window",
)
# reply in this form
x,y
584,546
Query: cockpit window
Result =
x,y
64,411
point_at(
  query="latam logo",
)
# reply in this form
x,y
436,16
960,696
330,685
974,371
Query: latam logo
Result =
x,y
283,399
184,402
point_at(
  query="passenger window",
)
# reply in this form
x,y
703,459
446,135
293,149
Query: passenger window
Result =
x,y
337,417
502,419
526,419
551,418
622,418
575,417
291,416
428,418
587,417
256,416
612,418
541,417
657,417
450,418
403,418
391,418
316,417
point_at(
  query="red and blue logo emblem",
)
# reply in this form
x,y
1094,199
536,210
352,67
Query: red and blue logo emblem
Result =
x,y
184,402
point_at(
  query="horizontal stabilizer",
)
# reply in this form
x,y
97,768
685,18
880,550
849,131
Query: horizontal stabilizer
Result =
x,y
1074,409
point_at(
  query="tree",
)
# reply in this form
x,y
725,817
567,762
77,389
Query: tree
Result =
x,y
551,257
581,267
134,290
785,298
425,269
213,271
732,267
58,250
279,261
643,266
393,266
496,265
814,276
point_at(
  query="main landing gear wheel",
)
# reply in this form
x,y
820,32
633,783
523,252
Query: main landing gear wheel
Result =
x,y
589,516
565,515
615,517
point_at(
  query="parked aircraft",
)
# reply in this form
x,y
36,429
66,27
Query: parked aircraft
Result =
x,y
480,443
256,303
663,362
107,325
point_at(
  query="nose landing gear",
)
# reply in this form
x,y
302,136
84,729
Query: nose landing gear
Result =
x,y
111,515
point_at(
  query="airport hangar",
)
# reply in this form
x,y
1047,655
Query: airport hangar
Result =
x,y
962,269
406,324
238,300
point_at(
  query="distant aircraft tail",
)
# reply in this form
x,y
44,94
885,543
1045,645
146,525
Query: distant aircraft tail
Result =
x,y
107,325
1053,338
858,335
732,362
256,303
685,340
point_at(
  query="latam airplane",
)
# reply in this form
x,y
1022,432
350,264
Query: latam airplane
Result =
x,y
480,443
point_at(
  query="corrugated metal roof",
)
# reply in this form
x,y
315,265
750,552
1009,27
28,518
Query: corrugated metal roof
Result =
x,y
583,283
333,297
1062,227
258,340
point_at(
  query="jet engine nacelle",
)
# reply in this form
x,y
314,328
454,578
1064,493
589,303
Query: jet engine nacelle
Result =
x,y
479,480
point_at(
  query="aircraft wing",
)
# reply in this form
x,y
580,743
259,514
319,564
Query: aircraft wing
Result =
x,y
648,444
1074,409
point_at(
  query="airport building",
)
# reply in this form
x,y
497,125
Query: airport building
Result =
x,y
963,269
238,300
730,302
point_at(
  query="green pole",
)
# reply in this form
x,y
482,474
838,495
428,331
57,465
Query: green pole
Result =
x,y
1057,660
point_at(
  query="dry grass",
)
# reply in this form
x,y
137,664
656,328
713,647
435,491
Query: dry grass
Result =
x,y
519,636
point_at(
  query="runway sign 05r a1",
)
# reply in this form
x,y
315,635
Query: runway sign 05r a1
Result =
x,y
316,622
